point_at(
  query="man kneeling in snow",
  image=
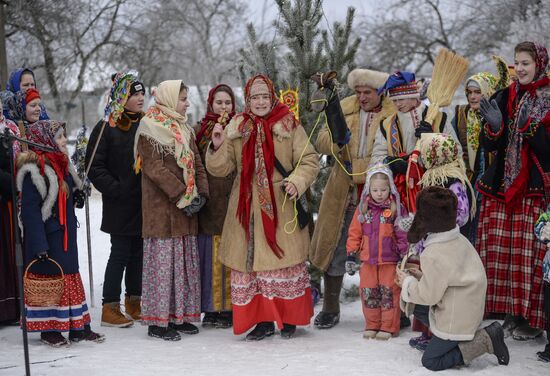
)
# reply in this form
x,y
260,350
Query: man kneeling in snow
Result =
x,y
449,293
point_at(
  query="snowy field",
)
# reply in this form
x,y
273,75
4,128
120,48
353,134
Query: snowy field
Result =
x,y
129,352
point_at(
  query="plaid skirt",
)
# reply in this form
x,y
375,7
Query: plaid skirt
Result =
x,y
512,257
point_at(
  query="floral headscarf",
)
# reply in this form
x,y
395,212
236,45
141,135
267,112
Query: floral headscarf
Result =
x,y
168,131
14,86
442,160
120,92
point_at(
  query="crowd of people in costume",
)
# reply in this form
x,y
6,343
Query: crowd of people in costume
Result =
x,y
446,221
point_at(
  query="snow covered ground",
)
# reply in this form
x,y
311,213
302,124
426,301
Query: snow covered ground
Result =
x,y
341,350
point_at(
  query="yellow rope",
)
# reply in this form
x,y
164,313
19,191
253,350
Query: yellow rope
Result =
x,y
294,220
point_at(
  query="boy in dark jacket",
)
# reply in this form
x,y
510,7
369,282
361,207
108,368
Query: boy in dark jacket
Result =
x,y
110,152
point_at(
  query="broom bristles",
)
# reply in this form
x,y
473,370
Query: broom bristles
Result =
x,y
448,73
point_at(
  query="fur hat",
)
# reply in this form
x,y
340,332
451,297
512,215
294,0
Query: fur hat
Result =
x,y
436,212
366,77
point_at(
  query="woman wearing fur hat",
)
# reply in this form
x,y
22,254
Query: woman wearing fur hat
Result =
x,y
542,232
363,111
215,277
375,236
515,192
9,307
269,277
174,188
397,136
110,153
47,182
452,284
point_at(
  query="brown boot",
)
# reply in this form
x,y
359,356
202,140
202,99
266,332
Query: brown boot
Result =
x,y
132,305
489,340
111,316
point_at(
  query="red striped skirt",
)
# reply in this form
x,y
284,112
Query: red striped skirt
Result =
x,y
70,314
512,257
281,295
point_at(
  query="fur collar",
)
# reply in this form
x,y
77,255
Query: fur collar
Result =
x,y
282,129
48,192
441,237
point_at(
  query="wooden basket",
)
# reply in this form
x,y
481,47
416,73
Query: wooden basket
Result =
x,y
406,264
43,291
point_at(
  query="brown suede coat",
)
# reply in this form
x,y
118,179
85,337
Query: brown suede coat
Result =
x,y
162,185
289,145
328,227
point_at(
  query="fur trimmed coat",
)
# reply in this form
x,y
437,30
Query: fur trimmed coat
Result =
x,y
334,201
42,231
289,145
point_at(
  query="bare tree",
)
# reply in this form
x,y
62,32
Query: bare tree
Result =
x,y
70,36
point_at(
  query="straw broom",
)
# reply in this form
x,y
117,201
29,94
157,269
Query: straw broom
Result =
x,y
449,71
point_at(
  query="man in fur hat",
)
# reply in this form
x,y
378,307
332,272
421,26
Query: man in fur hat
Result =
x,y
328,246
448,295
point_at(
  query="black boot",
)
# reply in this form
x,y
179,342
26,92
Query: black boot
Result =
x,y
54,339
262,330
167,334
209,319
330,314
86,335
404,321
497,339
288,331
224,320
185,328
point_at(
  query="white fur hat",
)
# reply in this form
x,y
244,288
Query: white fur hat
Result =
x,y
366,77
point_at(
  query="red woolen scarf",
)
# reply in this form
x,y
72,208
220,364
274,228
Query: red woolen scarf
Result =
x,y
258,158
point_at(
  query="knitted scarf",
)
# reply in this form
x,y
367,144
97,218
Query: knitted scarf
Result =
x,y
258,159
169,133
210,119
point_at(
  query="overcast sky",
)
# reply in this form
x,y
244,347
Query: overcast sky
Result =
x,y
335,10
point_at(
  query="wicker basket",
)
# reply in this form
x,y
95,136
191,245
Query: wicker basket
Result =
x,y
43,291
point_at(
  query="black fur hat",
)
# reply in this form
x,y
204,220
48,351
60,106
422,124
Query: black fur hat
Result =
x,y
435,212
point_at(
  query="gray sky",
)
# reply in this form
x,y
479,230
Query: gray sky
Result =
x,y
335,10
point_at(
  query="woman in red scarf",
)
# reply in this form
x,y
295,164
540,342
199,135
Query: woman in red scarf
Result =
x,y
215,278
515,192
269,279
48,185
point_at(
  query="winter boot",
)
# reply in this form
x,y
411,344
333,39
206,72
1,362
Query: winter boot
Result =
x,y
369,334
167,334
330,314
224,320
132,305
404,321
111,316
524,332
510,324
383,336
288,331
421,342
54,339
262,330
86,335
185,328
544,356
209,320
488,340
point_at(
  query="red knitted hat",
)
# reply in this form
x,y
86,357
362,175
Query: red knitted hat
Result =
x,y
31,95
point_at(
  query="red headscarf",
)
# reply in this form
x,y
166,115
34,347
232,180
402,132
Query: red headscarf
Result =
x,y
43,132
204,135
258,158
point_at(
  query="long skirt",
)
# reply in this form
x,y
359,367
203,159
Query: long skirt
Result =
x,y
215,277
512,257
281,295
171,282
70,314
9,309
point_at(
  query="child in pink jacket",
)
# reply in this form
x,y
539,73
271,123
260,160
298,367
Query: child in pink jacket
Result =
x,y
381,244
